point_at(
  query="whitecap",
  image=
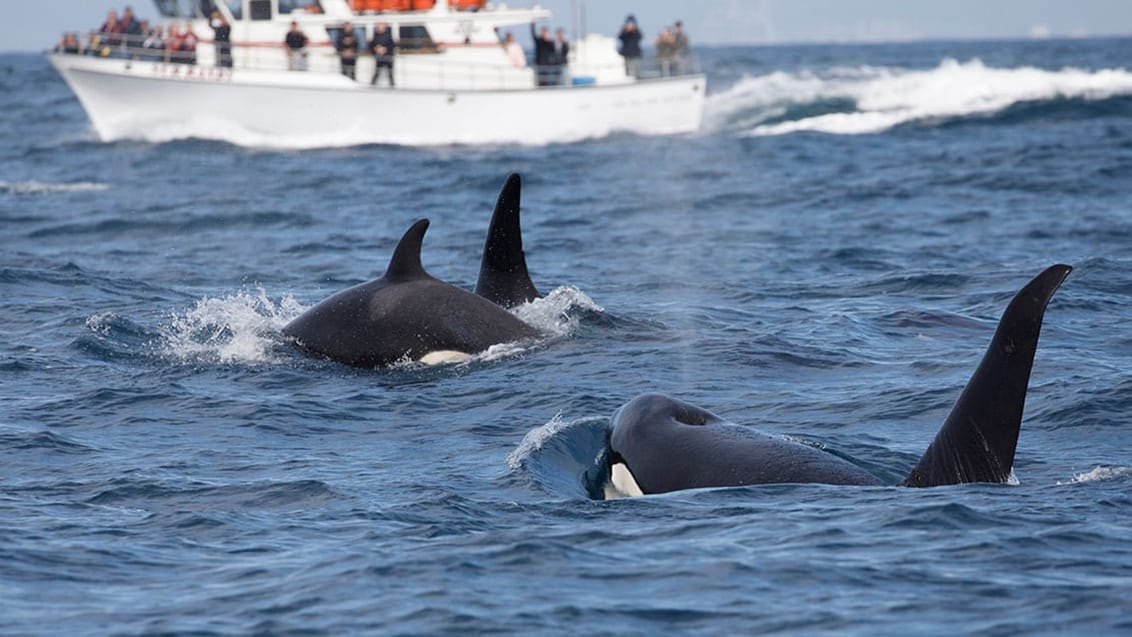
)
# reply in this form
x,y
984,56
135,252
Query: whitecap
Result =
x,y
1100,474
46,188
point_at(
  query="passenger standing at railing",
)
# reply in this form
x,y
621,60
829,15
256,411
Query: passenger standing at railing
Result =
x,y
513,51
561,48
347,45
222,39
559,56
69,43
544,55
188,45
154,45
665,46
131,27
680,49
296,43
173,44
383,49
111,30
630,37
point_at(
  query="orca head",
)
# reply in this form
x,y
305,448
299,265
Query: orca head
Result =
x,y
633,428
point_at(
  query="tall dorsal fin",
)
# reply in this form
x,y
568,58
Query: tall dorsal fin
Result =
x,y
406,261
978,439
503,276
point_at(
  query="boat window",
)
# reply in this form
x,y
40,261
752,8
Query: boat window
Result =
x,y
302,6
415,39
359,33
236,8
184,8
260,9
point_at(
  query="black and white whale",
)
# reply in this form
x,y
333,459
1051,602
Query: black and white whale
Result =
x,y
407,315
658,444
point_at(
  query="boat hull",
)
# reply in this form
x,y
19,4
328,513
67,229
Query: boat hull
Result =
x,y
158,102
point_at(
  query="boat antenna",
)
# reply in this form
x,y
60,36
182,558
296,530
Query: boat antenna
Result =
x,y
578,16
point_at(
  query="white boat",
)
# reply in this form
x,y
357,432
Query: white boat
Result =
x,y
455,84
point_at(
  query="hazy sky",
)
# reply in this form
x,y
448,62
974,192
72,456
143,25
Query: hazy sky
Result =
x,y
32,25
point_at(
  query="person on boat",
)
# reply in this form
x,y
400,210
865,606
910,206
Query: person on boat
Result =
x,y
561,48
513,51
222,37
173,44
111,31
383,49
544,56
347,45
69,43
296,43
680,48
665,47
131,28
630,38
154,45
187,45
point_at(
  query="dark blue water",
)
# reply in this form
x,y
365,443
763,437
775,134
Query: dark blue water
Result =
x,y
826,260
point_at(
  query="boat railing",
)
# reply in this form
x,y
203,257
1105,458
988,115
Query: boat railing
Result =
x,y
439,73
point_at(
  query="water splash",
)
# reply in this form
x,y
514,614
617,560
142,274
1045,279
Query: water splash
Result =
x,y
868,99
559,312
557,315
239,328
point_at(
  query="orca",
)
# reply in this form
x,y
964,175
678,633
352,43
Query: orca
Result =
x,y
503,277
658,444
406,314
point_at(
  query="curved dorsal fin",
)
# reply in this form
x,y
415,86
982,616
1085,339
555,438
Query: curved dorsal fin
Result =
x,y
503,276
406,261
978,439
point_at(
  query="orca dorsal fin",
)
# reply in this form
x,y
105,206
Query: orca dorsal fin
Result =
x,y
406,261
503,278
978,439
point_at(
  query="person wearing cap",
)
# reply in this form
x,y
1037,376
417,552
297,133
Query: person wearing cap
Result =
x,y
680,48
630,37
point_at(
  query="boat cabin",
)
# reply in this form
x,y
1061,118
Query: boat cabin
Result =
x,y
440,44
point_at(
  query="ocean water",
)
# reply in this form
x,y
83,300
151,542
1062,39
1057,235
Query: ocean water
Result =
x,y
826,259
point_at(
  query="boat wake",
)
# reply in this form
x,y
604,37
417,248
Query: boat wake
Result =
x,y
866,99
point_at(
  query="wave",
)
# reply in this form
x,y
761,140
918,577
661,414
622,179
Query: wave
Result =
x,y
867,99
46,188
565,458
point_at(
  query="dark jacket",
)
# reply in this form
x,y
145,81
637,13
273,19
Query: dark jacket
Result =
x,y
385,40
347,44
560,57
296,40
630,43
544,49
